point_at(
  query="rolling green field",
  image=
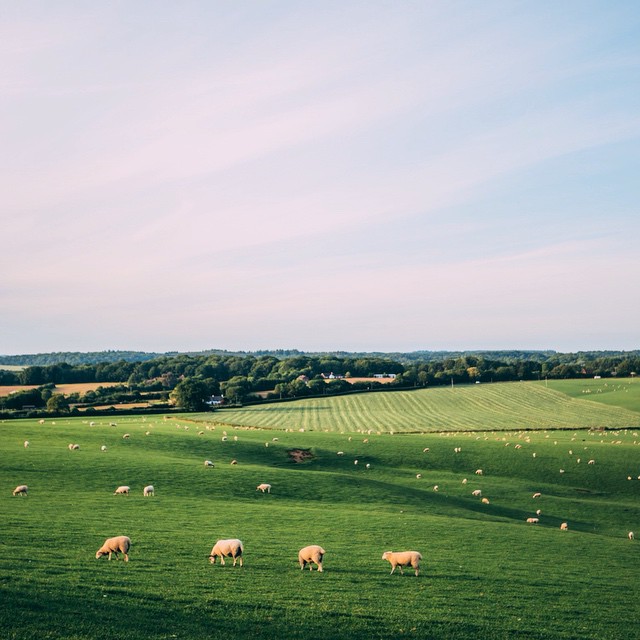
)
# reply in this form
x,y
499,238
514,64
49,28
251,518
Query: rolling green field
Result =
x,y
505,406
486,573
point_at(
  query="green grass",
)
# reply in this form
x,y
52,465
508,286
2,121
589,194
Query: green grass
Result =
x,y
624,392
486,573
505,406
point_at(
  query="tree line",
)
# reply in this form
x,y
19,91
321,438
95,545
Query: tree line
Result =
x,y
188,380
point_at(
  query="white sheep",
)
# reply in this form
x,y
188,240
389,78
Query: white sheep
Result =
x,y
73,447
234,461
464,481
340,453
208,463
564,526
403,559
148,491
477,493
26,444
533,520
478,472
126,436
119,544
123,490
537,494
21,490
310,554
485,500
435,487
264,487
591,462
630,535
418,475
103,447
232,547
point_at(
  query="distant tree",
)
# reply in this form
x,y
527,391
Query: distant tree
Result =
x,y
57,402
191,395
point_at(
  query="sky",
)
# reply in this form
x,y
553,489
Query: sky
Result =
x,y
336,175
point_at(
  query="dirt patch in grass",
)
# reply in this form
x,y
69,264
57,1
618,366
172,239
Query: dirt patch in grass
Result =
x,y
299,455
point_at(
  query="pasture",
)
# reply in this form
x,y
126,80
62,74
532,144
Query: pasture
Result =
x,y
486,573
506,406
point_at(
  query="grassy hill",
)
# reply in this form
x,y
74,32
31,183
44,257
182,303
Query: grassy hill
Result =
x,y
504,406
486,572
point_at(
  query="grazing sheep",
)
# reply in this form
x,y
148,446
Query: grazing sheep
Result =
x,y
21,490
73,447
355,462
533,520
26,444
403,559
126,436
367,466
591,462
425,450
340,453
435,487
234,462
40,421
537,494
123,490
264,487
418,475
478,472
103,447
538,512
232,547
464,481
208,463
310,554
485,500
476,492
119,544
630,535
148,491
564,527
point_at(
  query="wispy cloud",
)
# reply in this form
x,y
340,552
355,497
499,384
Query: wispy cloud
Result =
x,y
240,174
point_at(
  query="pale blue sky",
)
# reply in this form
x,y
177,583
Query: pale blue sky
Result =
x,y
359,176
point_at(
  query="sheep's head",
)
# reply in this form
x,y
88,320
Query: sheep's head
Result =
x,y
386,554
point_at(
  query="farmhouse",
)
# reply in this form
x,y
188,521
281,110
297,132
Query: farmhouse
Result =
x,y
215,401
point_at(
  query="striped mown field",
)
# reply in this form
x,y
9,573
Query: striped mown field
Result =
x,y
504,406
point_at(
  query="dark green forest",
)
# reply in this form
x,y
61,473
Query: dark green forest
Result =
x,y
187,380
